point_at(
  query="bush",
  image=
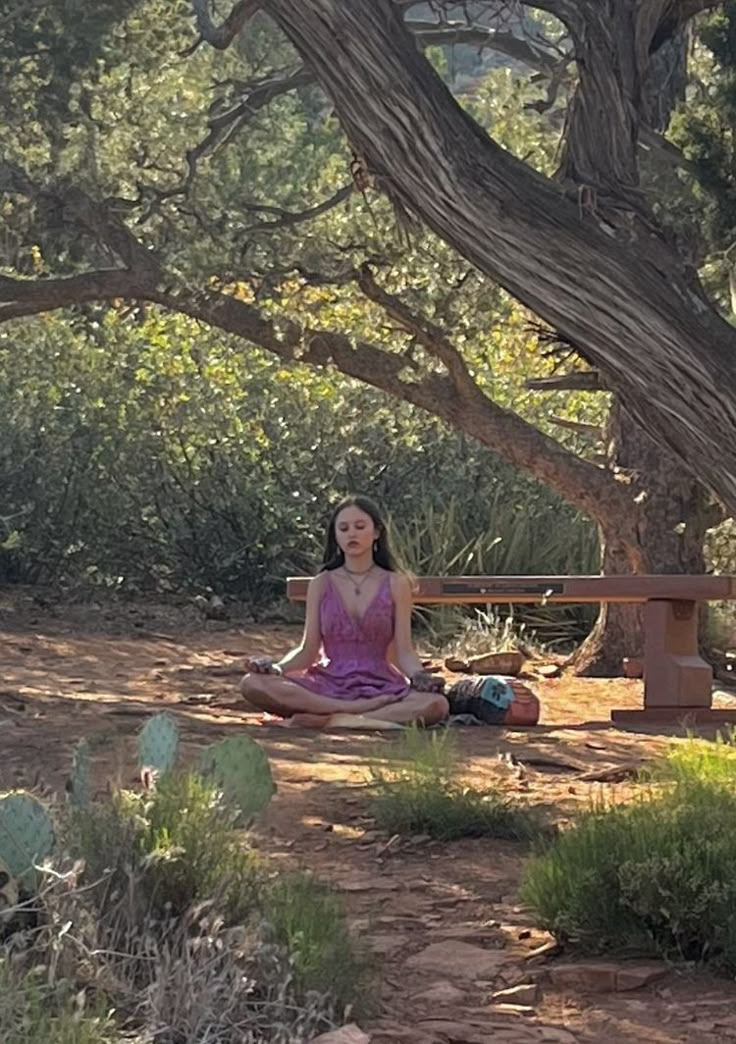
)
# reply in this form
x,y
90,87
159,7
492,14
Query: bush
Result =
x,y
697,761
418,792
309,920
32,1012
169,905
655,876
178,841
151,456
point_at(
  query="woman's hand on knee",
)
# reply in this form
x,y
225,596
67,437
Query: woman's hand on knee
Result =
x,y
263,665
425,681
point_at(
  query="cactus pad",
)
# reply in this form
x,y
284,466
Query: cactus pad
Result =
x,y
26,835
158,744
9,894
79,784
240,768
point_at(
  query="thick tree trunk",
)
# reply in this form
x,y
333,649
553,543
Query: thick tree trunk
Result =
x,y
673,516
670,357
603,153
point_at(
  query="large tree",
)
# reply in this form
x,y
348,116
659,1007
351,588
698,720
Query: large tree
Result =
x,y
417,147
584,253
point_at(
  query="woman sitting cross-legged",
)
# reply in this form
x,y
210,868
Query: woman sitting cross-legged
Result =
x,y
356,654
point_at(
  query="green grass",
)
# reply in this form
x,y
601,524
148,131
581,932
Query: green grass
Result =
x,y
696,760
161,899
173,867
309,920
31,1012
179,841
510,541
655,876
418,791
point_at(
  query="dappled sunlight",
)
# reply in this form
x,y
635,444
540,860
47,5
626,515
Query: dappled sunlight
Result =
x,y
413,900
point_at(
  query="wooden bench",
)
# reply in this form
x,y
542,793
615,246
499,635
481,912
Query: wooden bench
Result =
x,y
678,683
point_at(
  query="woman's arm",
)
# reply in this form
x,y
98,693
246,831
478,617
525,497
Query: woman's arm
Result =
x,y
306,653
403,653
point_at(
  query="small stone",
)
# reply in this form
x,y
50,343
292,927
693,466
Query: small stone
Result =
x,y
367,883
387,943
554,1035
455,1031
528,993
513,975
545,951
511,1009
369,836
458,960
588,977
404,1035
468,931
351,1034
635,976
440,993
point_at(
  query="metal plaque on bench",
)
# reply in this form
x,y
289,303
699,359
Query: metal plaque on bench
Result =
x,y
543,590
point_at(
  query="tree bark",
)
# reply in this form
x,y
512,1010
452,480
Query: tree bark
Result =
x,y
630,309
639,501
673,516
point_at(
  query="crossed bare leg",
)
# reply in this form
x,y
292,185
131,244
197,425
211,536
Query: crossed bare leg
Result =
x,y
270,692
306,709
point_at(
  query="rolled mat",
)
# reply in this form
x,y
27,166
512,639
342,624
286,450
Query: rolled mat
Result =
x,y
493,699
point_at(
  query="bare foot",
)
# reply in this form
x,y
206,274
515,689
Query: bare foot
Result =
x,y
308,721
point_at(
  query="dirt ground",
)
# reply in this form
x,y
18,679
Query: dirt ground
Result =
x,y
68,672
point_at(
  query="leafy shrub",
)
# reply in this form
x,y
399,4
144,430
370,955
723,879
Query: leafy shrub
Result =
x,y
417,791
695,761
179,842
309,920
152,456
32,1012
168,908
655,876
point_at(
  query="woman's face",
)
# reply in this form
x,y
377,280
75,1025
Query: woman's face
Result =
x,y
355,531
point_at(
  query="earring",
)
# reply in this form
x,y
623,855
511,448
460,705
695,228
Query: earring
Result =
x,y
375,546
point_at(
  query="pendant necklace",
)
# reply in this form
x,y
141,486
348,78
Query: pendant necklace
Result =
x,y
358,586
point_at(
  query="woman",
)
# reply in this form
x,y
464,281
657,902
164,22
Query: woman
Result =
x,y
359,618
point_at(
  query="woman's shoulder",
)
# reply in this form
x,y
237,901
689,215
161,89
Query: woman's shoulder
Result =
x,y
318,583
400,583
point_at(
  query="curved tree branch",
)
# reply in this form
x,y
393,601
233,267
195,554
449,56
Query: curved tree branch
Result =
x,y
24,297
288,218
438,33
581,380
462,404
628,300
221,36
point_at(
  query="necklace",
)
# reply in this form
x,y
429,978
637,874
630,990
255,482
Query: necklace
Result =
x,y
358,586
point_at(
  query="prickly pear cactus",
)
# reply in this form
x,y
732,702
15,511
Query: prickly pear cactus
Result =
x,y
9,894
240,768
79,784
26,835
158,744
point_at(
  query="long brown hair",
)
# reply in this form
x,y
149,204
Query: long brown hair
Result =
x,y
383,556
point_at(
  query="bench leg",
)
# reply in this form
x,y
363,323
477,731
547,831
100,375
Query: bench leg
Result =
x,y
678,683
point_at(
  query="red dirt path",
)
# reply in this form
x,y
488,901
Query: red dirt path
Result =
x,y
69,672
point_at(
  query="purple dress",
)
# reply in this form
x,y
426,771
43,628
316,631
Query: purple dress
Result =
x,y
354,664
